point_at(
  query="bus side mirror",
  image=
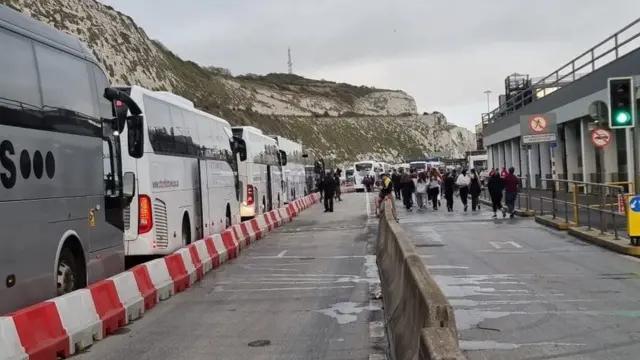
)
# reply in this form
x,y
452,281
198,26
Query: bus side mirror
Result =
x,y
240,148
128,185
283,157
135,136
122,105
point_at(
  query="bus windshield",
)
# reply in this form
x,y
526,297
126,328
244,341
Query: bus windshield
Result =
x,y
363,167
418,166
349,172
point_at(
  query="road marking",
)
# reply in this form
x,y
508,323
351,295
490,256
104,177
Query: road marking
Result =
x,y
338,257
376,329
498,245
281,254
475,345
367,205
446,267
377,357
221,289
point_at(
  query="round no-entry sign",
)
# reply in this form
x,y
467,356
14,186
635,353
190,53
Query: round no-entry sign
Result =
x,y
600,137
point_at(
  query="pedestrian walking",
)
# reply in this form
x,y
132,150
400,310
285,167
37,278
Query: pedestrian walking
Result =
x,y
421,190
495,186
433,188
475,188
395,181
511,191
463,181
449,188
338,189
407,191
329,184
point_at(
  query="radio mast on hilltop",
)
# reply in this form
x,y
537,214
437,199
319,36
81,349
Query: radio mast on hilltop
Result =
x,y
290,63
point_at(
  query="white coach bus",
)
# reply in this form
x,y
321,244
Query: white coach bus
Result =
x,y
187,178
260,174
294,179
362,169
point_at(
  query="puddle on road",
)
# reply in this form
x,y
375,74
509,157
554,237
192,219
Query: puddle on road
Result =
x,y
346,312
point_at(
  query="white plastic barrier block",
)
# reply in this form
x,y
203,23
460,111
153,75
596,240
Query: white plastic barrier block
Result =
x,y
79,318
10,346
219,245
129,295
203,253
242,239
283,215
161,278
252,233
188,264
262,223
279,219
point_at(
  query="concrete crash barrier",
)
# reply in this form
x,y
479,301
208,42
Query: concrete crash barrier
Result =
x,y
413,301
62,326
439,344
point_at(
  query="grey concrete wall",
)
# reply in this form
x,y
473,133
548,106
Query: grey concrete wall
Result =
x,y
570,102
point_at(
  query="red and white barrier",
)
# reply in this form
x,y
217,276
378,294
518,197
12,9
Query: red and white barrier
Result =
x,y
63,325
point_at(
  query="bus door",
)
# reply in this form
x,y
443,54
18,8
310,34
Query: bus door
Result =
x,y
203,219
269,205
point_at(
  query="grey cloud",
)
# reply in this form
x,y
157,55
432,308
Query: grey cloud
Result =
x,y
444,53
252,36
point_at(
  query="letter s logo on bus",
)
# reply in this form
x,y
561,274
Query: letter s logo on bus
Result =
x,y
7,177
37,165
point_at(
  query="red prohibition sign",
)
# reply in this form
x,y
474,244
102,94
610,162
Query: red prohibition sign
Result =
x,y
600,137
538,123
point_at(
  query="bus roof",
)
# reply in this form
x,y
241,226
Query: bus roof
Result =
x,y
366,162
252,129
173,99
25,25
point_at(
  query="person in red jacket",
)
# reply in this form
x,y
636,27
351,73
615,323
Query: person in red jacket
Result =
x,y
504,173
511,191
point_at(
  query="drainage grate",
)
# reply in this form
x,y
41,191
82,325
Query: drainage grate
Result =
x,y
428,245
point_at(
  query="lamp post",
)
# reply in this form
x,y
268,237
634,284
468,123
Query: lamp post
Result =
x,y
488,92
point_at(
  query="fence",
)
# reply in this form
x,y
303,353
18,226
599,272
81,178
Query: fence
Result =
x,y
576,203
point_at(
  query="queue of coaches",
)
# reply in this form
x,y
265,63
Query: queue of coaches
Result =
x,y
93,175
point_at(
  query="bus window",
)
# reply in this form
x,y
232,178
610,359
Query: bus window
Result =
x,y
20,84
60,71
363,167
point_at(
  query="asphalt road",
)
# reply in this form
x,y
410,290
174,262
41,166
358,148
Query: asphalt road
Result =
x,y
306,291
523,291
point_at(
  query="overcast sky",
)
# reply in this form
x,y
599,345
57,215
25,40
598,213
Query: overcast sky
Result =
x,y
443,53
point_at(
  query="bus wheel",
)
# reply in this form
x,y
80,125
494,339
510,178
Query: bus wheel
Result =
x,y
67,272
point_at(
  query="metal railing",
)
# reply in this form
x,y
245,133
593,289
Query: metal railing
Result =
x,y
585,62
593,205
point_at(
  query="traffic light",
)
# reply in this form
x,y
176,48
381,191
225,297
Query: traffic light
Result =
x,y
622,103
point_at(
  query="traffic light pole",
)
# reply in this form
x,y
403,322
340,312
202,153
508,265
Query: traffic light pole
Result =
x,y
635,136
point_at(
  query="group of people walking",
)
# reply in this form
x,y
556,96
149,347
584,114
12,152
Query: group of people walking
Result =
x,y
428,186
329,187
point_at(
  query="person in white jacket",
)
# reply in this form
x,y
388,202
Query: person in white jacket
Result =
x,y
463,182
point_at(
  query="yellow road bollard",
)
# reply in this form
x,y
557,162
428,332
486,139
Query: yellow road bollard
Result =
x,y
633,219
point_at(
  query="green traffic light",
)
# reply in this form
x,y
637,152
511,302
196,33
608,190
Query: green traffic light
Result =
x,y
623,117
